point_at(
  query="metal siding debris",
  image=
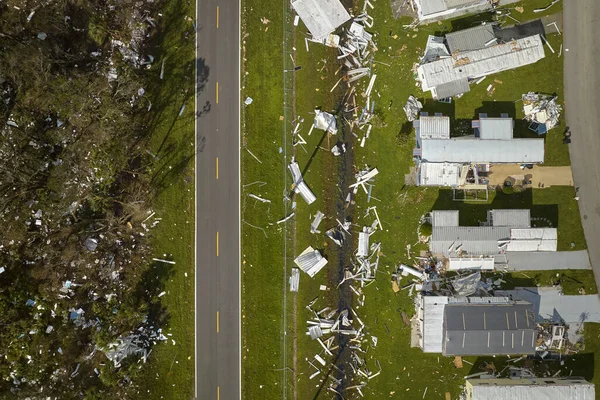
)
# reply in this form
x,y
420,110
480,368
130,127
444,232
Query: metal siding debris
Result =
x,y
316,222
299,186
310,261
294,280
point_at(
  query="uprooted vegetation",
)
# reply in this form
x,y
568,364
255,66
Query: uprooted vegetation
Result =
x,y
79,296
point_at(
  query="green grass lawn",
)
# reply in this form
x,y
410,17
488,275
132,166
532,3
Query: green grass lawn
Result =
x,y
263,252
169,373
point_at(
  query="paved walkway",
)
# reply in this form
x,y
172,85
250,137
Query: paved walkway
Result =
x,y
582,57
540,175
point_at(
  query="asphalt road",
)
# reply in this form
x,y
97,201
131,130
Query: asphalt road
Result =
x,y
582,95
217,201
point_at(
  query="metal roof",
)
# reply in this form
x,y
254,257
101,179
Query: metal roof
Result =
x,y
451,89
470,39
477,63
474,240
433,322
532,239
496,128
471,263
461,3
512,218
434,127
530,389
475,150
528,261
550,304
438,174
432,6
474,329
321,17
310,261
444,218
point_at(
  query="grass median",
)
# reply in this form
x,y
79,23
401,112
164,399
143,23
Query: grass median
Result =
x,y
169,373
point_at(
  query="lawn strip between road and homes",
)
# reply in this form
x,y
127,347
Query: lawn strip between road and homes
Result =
x,y
170,370
263,174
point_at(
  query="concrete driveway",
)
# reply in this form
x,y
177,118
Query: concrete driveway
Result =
x,y
582,57
540,175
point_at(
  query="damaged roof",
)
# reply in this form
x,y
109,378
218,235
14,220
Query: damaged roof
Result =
x,y
321,17
451,88
478,63
470,39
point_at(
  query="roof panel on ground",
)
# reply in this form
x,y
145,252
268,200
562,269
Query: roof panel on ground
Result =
x,y
321,17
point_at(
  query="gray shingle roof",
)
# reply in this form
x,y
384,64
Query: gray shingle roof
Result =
x,y
470,39
489,329
452,88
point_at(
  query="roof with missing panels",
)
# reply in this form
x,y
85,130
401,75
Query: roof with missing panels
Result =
x,y
475,150
470,39
477,63
321,17
489,329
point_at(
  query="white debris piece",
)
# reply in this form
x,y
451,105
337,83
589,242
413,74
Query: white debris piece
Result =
x,y
325,121
299,186
42,36
294,280
316,222
310,261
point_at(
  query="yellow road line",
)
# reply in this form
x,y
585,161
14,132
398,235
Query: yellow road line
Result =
x,y
217,165
217,92
217,244
217,322
218,393
217,17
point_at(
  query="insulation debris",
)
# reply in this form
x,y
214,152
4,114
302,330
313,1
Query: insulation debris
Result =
x,y
325,121
412,108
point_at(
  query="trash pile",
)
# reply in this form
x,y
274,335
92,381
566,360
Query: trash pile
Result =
x,y
412,108
329,322
541,111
